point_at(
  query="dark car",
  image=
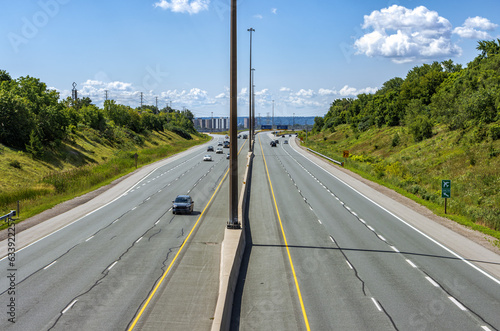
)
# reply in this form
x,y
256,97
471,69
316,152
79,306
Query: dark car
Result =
x,y
226,144
277,141
182,204
273,143
210,148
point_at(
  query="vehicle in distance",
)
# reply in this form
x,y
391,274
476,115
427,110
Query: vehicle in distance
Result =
x,y
277,141
210,148
218,150
227,156
207,158
245,136
219,143
182,204
285,142
273,143
226,144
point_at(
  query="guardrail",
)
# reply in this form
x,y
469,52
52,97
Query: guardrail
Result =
x,y
326,157
9,216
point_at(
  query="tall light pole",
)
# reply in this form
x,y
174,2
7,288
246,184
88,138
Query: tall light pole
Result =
x,y
293,122
253,99
233,146
250,93
272,123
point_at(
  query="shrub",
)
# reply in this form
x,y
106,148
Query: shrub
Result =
x,y
494,132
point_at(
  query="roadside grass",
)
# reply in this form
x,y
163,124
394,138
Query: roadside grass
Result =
x,y
78,166
390,157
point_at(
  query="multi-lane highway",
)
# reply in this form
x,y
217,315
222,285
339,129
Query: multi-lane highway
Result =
x,y
97,272
323,256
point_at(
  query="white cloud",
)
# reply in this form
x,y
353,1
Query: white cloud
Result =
x,y
306,93
324,92
352,91
258,16
473,28
274,10
262,92
285,89
184,6
404,35
221,96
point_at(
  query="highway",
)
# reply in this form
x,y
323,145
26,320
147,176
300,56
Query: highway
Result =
x,y
321,255
97,272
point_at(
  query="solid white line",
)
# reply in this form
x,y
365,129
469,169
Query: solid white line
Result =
x,y
138,240
320,222
50,265
69,306
116,220
484,327
89,238
369,227
157,222
134,208
406,223
411,263
458,304
350,266
381,238
111,266
331,238
376,304
362,221
432,281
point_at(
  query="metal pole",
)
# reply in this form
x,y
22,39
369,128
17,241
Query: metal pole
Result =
x,y
250,92
272,125
233,129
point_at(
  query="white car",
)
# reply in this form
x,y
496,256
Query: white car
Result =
x,y
207,158
219,150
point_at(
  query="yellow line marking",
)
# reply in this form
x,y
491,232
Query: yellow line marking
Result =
x,y
178,252
306,321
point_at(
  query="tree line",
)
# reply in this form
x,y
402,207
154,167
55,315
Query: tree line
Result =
x,y
431,94
34,118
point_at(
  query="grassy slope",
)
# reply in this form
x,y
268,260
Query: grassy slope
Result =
x,y
416,169
83,163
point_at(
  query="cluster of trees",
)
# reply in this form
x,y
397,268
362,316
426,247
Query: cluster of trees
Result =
x,y
441,92
33,117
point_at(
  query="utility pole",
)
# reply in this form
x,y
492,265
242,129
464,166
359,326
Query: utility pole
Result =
x,y
156,111
74,92
106,94
233,127
212,123
141,100
293,122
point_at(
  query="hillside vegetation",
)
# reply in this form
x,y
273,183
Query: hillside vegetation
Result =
x,y
52,150
441,122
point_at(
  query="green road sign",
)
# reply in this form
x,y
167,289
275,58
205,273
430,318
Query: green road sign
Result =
x,y
445,188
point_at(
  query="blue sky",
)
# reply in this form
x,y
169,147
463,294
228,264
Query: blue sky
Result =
x,y
305,53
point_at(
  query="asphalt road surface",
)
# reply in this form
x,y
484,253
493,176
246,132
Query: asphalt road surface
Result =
x,y
96,273
322,256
